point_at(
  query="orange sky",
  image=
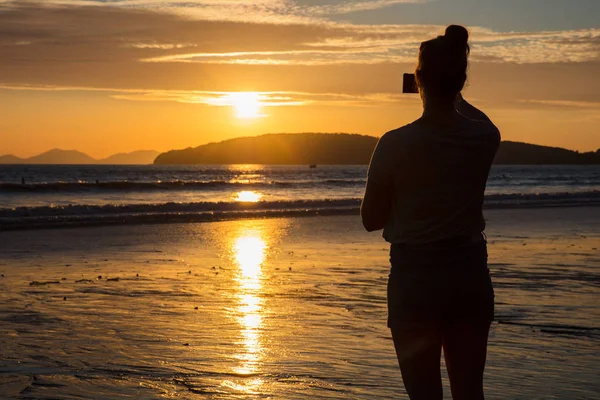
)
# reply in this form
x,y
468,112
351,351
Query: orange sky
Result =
x,y
104,79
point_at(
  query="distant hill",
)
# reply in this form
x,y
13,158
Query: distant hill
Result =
x,y
135,157
342,148
532,154
58,156
301,148
10,159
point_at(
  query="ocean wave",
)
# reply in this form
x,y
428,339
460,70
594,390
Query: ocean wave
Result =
x,y
158,186
153,215
583,198
76,209
110,214
545,179
78,215
252,183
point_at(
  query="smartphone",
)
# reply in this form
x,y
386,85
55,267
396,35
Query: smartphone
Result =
x,y
409,84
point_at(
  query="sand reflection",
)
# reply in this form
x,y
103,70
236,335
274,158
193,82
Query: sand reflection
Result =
x,y
249,251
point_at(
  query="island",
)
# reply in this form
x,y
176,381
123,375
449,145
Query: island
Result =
x,y
343,149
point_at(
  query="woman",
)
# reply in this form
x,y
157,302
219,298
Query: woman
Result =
x,y
425,188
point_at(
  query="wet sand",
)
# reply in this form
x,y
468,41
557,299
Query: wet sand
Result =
x,y
278,308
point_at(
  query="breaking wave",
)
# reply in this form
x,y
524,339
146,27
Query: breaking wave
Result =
x,y
109,214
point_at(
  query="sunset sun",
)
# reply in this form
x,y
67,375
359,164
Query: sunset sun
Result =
x,y
246,104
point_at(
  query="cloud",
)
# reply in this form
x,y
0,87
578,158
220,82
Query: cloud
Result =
x,y
368,55
592,105
226,99
346,7
138,53
370,45
162,46
272,99
62,34
272,11
263,11
537,47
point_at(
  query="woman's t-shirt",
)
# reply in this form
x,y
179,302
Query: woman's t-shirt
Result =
x,y
437,177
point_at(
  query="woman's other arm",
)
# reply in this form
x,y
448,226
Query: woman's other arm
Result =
x,y
376,206
377,203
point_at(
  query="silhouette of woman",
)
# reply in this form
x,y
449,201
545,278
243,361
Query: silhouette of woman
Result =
x,y
425,188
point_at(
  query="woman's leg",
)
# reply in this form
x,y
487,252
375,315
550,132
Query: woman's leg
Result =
x,y
465,349
419,353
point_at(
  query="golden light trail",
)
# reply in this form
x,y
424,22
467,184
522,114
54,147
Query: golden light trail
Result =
x,y
249,251
248,196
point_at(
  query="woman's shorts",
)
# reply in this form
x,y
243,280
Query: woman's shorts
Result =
x,y
429,288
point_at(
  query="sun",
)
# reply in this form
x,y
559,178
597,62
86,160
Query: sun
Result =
x,y
246,104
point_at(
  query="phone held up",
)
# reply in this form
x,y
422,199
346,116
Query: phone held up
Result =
x,y
409,84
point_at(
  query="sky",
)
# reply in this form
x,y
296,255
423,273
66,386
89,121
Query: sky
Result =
x,y
107,76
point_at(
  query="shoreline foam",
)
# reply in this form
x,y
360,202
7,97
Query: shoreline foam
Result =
x,y
97,215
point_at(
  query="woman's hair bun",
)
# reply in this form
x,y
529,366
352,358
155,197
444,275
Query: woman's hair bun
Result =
x,y
457,34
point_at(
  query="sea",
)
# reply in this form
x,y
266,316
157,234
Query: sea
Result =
x,y
40,196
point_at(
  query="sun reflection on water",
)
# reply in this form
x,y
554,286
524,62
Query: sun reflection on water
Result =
x,y
249,250
248,196
249,253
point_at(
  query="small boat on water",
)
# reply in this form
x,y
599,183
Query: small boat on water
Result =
x,y
312,166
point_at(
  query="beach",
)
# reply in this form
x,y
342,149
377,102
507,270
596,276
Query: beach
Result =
x,y
281,308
